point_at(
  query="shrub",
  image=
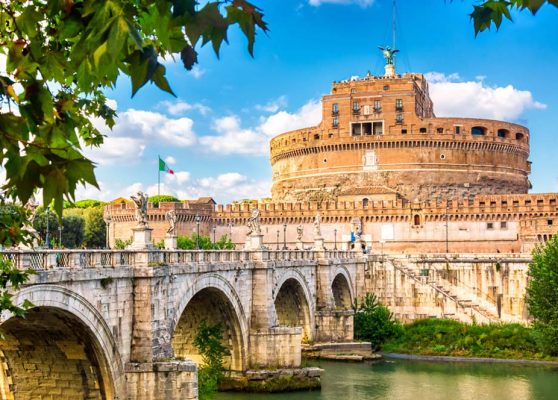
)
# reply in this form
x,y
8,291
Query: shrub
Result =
x,y
374,322
162,198
542,295
209,342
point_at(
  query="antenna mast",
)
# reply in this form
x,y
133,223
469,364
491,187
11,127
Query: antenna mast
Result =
x,y
394,23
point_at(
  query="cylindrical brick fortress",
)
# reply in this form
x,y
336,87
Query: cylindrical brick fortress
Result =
x,y
380,139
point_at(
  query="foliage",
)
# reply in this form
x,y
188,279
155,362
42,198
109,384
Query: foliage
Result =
x,y
493,11
12,224
542,295
95,228
162,198
205,243
72,232
11,276
62,55
209,342
89,203
374,322
120,244
452,338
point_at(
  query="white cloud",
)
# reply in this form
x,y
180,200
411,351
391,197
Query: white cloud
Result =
x,y
223,188
362,3
197,72
178,178
308,115
134,130
274,105
91,192
179,107
453,97
170,160
232,138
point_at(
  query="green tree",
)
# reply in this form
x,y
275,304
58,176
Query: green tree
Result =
x,y
162,198
73,227
95,228
374,322
491,12
209,342
63,54
542,295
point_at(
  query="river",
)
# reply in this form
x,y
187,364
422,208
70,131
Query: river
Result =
x,y
419,380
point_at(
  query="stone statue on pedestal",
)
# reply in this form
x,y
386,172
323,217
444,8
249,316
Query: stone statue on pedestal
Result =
x,y
170,216
317,227
254,226
141,208
389,54
299,233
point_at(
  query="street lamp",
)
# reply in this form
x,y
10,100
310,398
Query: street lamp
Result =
x,y
285,237
198,232
335,239
214,243
447,232
277,239
60,236
47,227
108,220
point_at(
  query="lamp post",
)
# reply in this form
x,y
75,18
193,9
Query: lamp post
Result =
x,y
214,242
285,237
47,227
60,236
108,220
335,239
382,249
198,232
447,232
277,239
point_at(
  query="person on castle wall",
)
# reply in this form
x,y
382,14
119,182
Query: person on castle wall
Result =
x,y
141,208
254,226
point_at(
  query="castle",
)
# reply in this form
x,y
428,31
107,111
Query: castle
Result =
x,y
381,166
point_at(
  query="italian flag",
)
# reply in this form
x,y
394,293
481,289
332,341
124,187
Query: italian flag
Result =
x,y
164,167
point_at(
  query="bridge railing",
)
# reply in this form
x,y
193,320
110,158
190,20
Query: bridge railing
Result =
x,y
47,259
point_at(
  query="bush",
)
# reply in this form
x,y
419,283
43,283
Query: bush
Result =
x,y
120,244
374,322
542,295
162,198
209,342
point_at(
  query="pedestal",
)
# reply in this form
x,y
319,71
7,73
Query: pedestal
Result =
x,y
141,238
254,242
299,245
390,71
171,242
319,243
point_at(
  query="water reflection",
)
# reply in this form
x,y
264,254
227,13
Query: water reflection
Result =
x,y
411,380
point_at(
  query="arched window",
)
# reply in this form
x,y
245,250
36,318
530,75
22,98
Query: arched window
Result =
x,y
365,202
416,220
519,136
503,133
478,131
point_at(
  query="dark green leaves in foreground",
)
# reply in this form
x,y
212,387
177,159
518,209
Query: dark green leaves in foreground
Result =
x,y
62,55
494,11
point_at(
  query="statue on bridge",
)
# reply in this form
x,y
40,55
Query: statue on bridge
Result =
x,y
171,217
141,208
299,233
254,226
317,227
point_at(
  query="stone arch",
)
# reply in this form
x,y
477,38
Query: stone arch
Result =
x,y
66,341
212,298
342,293
294,303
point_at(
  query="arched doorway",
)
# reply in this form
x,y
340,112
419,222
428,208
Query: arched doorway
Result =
x,y
342,299
213,306
292,308
49,353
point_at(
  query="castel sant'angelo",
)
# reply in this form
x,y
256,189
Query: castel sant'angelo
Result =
x,y
382,168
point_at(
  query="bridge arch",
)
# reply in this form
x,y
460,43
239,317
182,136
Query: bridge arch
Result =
x,y
65,340
212,298
342,290
294,303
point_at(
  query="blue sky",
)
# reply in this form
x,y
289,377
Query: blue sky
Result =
x,y
215,133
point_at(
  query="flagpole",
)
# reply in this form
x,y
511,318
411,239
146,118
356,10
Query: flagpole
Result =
x,y
158,177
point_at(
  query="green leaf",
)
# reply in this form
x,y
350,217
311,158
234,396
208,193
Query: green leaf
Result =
x,y
189,57
159,79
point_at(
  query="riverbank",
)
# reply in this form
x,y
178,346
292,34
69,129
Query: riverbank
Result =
x,y
481,360
448,338
274,381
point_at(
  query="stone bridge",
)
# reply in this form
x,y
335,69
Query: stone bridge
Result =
x,y
121,324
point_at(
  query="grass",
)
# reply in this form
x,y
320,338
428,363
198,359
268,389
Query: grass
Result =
x,y
443,337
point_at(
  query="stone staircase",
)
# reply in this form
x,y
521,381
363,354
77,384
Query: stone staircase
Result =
x,y
468,308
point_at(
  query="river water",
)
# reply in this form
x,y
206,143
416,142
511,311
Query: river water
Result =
x,y
418,380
